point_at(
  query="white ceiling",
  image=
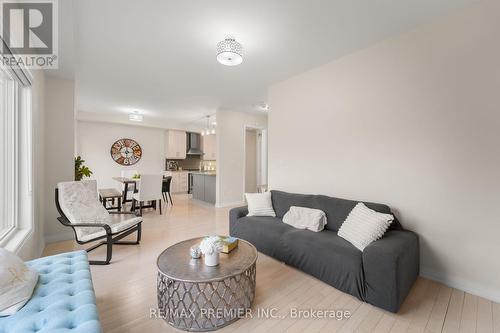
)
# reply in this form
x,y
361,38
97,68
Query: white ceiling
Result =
x,y
158,56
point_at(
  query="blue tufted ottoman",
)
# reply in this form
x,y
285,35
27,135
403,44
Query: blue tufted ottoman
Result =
x,y
63,299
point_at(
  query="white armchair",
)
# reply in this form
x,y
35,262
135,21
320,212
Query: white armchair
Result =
x,y
150,189
80,209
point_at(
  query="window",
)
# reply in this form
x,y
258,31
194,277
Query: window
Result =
x,y
15,155
8,157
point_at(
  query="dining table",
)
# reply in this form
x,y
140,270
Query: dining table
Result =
x,y
126,183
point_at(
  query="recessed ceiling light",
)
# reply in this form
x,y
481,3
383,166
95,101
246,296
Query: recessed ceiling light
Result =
x,y
263,106
229,52
135,116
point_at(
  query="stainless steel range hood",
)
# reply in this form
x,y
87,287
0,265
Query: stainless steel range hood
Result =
x,y
193,147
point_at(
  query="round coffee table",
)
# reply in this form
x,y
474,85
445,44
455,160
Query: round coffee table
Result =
x,y
195,297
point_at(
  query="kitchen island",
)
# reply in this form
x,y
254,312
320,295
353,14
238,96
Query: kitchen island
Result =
x,y
204,186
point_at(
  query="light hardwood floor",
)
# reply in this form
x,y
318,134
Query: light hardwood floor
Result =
x,y
126,289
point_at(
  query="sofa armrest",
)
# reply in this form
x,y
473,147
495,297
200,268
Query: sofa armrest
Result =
x,y
391,266
234,215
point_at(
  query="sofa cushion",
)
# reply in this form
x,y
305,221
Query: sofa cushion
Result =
x,y
327,257
336,209
263,232
282,201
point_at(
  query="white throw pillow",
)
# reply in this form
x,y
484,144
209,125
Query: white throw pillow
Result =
x,y
260,204
364,225
17,282
305,218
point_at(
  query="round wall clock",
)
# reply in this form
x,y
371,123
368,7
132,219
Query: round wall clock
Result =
x,y
126,152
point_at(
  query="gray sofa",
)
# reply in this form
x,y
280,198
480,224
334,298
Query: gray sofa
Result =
x,y
382,274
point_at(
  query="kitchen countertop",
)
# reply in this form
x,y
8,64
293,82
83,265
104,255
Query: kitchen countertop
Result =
x,y
204,173
196,172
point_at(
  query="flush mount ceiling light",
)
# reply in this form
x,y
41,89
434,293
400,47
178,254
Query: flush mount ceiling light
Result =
x,y
135,116
229,52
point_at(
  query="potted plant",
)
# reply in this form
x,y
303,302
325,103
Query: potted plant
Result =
x,y
80,169
210,247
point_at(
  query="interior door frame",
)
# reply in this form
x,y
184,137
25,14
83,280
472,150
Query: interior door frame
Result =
x,y
245,128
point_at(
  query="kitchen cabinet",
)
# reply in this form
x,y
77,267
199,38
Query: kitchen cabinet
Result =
x,y
182,182
209,189
179,182
210,147
204,187
175,144
198,187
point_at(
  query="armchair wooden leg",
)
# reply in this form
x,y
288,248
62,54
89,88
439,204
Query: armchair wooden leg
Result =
x,y
117,240
109,251
159,204
170,196
139,232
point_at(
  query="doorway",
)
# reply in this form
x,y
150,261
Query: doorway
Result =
x,y
255,160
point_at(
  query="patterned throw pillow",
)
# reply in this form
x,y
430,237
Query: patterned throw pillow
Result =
x,y
364,225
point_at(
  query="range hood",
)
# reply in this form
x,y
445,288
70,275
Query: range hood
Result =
x,y
193,144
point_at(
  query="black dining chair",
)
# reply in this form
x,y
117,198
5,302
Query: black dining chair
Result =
x,y
167,181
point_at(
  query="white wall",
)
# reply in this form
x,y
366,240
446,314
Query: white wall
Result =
x,y
94,143
59,149
413,122
230,153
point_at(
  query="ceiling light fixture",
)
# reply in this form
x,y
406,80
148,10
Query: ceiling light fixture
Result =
x,y
229,52
210,128
135,116
263,106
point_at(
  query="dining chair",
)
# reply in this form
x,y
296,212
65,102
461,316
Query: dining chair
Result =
x,y
149,189
165,190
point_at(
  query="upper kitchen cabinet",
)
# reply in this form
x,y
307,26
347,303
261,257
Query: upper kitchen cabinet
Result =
x,y
175,144
209,147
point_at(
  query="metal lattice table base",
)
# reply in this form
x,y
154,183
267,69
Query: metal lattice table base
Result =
x,y
205,306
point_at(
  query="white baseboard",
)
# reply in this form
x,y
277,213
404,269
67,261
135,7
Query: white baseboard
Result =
x,y
59,237
462,284
230,204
